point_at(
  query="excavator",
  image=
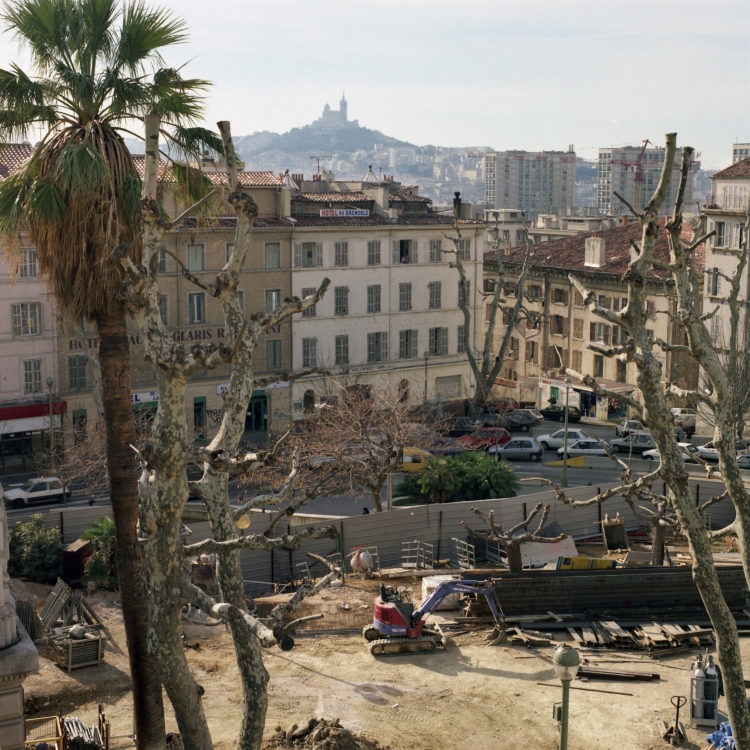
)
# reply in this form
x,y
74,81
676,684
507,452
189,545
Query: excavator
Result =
x,y
397,627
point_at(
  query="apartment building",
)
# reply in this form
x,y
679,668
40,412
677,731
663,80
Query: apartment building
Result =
x,y
533,181
558,326
634,172
740,151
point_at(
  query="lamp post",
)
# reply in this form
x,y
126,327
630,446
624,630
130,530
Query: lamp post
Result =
x,y
424,400
566,662
50,383
564,478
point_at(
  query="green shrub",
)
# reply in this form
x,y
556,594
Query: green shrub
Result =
x,y
35,551
101,565
466,476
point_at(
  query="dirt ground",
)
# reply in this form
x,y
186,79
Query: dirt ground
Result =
x,y
469,696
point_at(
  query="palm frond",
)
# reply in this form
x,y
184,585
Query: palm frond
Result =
x,y
144,33
13,192
186,143
97,33
45,202
130,194
191,183
80,168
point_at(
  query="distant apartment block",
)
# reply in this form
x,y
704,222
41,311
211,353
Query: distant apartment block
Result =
x,y
740,151
633,172
532,181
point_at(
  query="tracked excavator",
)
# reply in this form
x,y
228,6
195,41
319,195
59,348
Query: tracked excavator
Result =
x,y
397,627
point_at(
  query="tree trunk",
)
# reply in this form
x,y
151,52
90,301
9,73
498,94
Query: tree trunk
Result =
x,y
515,562
658,533
114,358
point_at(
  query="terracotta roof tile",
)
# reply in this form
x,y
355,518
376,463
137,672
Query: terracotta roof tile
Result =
x,y
738,169
407,194
568,253
13,156
248,179
342,197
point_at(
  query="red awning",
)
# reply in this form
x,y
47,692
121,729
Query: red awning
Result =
x,y
24,411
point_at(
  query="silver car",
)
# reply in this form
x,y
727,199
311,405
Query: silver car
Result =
x,y
556,439
518,449
586,447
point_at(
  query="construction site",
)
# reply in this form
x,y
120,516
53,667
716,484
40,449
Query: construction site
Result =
x,y
476,663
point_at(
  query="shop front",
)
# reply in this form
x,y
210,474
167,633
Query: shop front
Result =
x,y
27,431
553,390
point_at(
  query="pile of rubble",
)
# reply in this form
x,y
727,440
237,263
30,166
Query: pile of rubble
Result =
x,y
319,734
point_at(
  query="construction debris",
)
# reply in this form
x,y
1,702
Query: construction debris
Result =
x,y
319,734
66,607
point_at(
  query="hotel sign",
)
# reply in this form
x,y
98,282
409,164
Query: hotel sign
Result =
x,y
344,212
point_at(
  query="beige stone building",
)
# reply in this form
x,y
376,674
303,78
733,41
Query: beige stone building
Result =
x,y
557,328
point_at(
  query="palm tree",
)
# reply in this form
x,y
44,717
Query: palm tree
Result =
x,y
97,70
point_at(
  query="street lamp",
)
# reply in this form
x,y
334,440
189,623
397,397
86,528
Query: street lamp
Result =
x,y
50,383
564,479
566,662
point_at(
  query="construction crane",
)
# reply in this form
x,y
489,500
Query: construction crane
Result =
x,y
638,179
319,157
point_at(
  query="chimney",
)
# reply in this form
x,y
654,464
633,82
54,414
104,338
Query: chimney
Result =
x,y
595,255
457,205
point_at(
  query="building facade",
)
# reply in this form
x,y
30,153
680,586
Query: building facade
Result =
x,y
532,181
740,152
634,172
558,326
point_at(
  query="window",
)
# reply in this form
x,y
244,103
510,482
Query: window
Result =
x,y
407,344
598,366
341,300
715,330
577,360
535,292
622,370
463,246
341,254
558,325
308,402
309,352
532,350
162,259
229,249
273,254
489,285
273,354
32,376
77,372
195,258
463,292
577,328
373,298
461,345
273,299
164,309
436,251
713,281
437,341
27,319
196,308
404,297
434,289
404,251
27,267
448,386
308,254
651,308
373,253
310,312
577,298
599,332
377,346
513,348
560,295
342,350
605,301
720,239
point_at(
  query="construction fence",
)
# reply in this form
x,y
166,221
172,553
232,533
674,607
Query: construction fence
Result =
x,y
390,534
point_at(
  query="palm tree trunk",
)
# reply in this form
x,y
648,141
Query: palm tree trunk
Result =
x,y
114,359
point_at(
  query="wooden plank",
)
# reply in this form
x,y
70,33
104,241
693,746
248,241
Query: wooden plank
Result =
x,y
576,635
589,636
596,673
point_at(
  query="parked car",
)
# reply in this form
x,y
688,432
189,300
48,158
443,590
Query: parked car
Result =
x,y
36,490
688,450
585,447
460,426
708,453
483,438
628,426
518,420
684,418
535,414
414,459
518,449
743,461
635,442
555,411
445,446
491,419
556,439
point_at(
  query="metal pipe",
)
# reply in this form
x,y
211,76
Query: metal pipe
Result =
x,y
564,715
564,478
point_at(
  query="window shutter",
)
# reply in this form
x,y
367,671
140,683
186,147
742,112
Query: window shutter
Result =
x,y
414,253
297,254
565,327
396,258
650,309
318,254
605,334
616,304
592,331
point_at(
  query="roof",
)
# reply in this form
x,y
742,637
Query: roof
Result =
x,y
568,253
13,156
407,194
339,197
738,169
251,179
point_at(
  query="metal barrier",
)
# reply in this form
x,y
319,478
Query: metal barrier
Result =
x,y
465,554
417,554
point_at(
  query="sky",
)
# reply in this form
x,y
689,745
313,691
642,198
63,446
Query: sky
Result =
x,y
506,74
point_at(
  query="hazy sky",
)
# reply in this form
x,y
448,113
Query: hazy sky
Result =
x,y
533,74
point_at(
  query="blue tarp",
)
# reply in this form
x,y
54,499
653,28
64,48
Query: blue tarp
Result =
x,y
722,738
